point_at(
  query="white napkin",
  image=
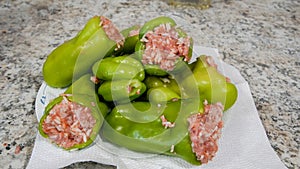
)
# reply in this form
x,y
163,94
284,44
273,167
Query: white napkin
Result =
x,y
243,143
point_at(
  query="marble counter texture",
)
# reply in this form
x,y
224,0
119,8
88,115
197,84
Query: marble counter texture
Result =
x,y
261,39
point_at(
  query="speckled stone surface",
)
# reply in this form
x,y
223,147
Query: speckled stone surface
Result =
x,y
260,38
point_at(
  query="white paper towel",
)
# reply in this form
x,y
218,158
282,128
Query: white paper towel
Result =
x,y
243,143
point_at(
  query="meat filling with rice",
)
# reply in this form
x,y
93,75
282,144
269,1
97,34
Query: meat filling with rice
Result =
x,y
163,46
205,130
69,124
112,32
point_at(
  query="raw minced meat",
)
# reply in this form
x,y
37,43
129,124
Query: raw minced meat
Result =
x,y
163,47
69,124
205,130
112,32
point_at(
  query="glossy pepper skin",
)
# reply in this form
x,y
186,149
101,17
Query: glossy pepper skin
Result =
x,y
153,69
75,57
153,81
161,94
82,86
121,67
120,91
138,127
161,89
87,97
212,85
173,85
167,82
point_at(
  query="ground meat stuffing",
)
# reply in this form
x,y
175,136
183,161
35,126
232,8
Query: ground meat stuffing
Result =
x,y
69,124
205,130
112,32
163,46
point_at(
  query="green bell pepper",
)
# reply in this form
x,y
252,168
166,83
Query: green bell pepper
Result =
x,y
161,89
173,85
121,67
130,126
167,82
75,57
153,81
155,69
82,86
161,94
212,85
120,91
82,92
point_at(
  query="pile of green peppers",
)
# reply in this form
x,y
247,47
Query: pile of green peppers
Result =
x,y
132,97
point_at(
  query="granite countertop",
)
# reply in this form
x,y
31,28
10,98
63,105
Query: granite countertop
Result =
x,y
260,39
